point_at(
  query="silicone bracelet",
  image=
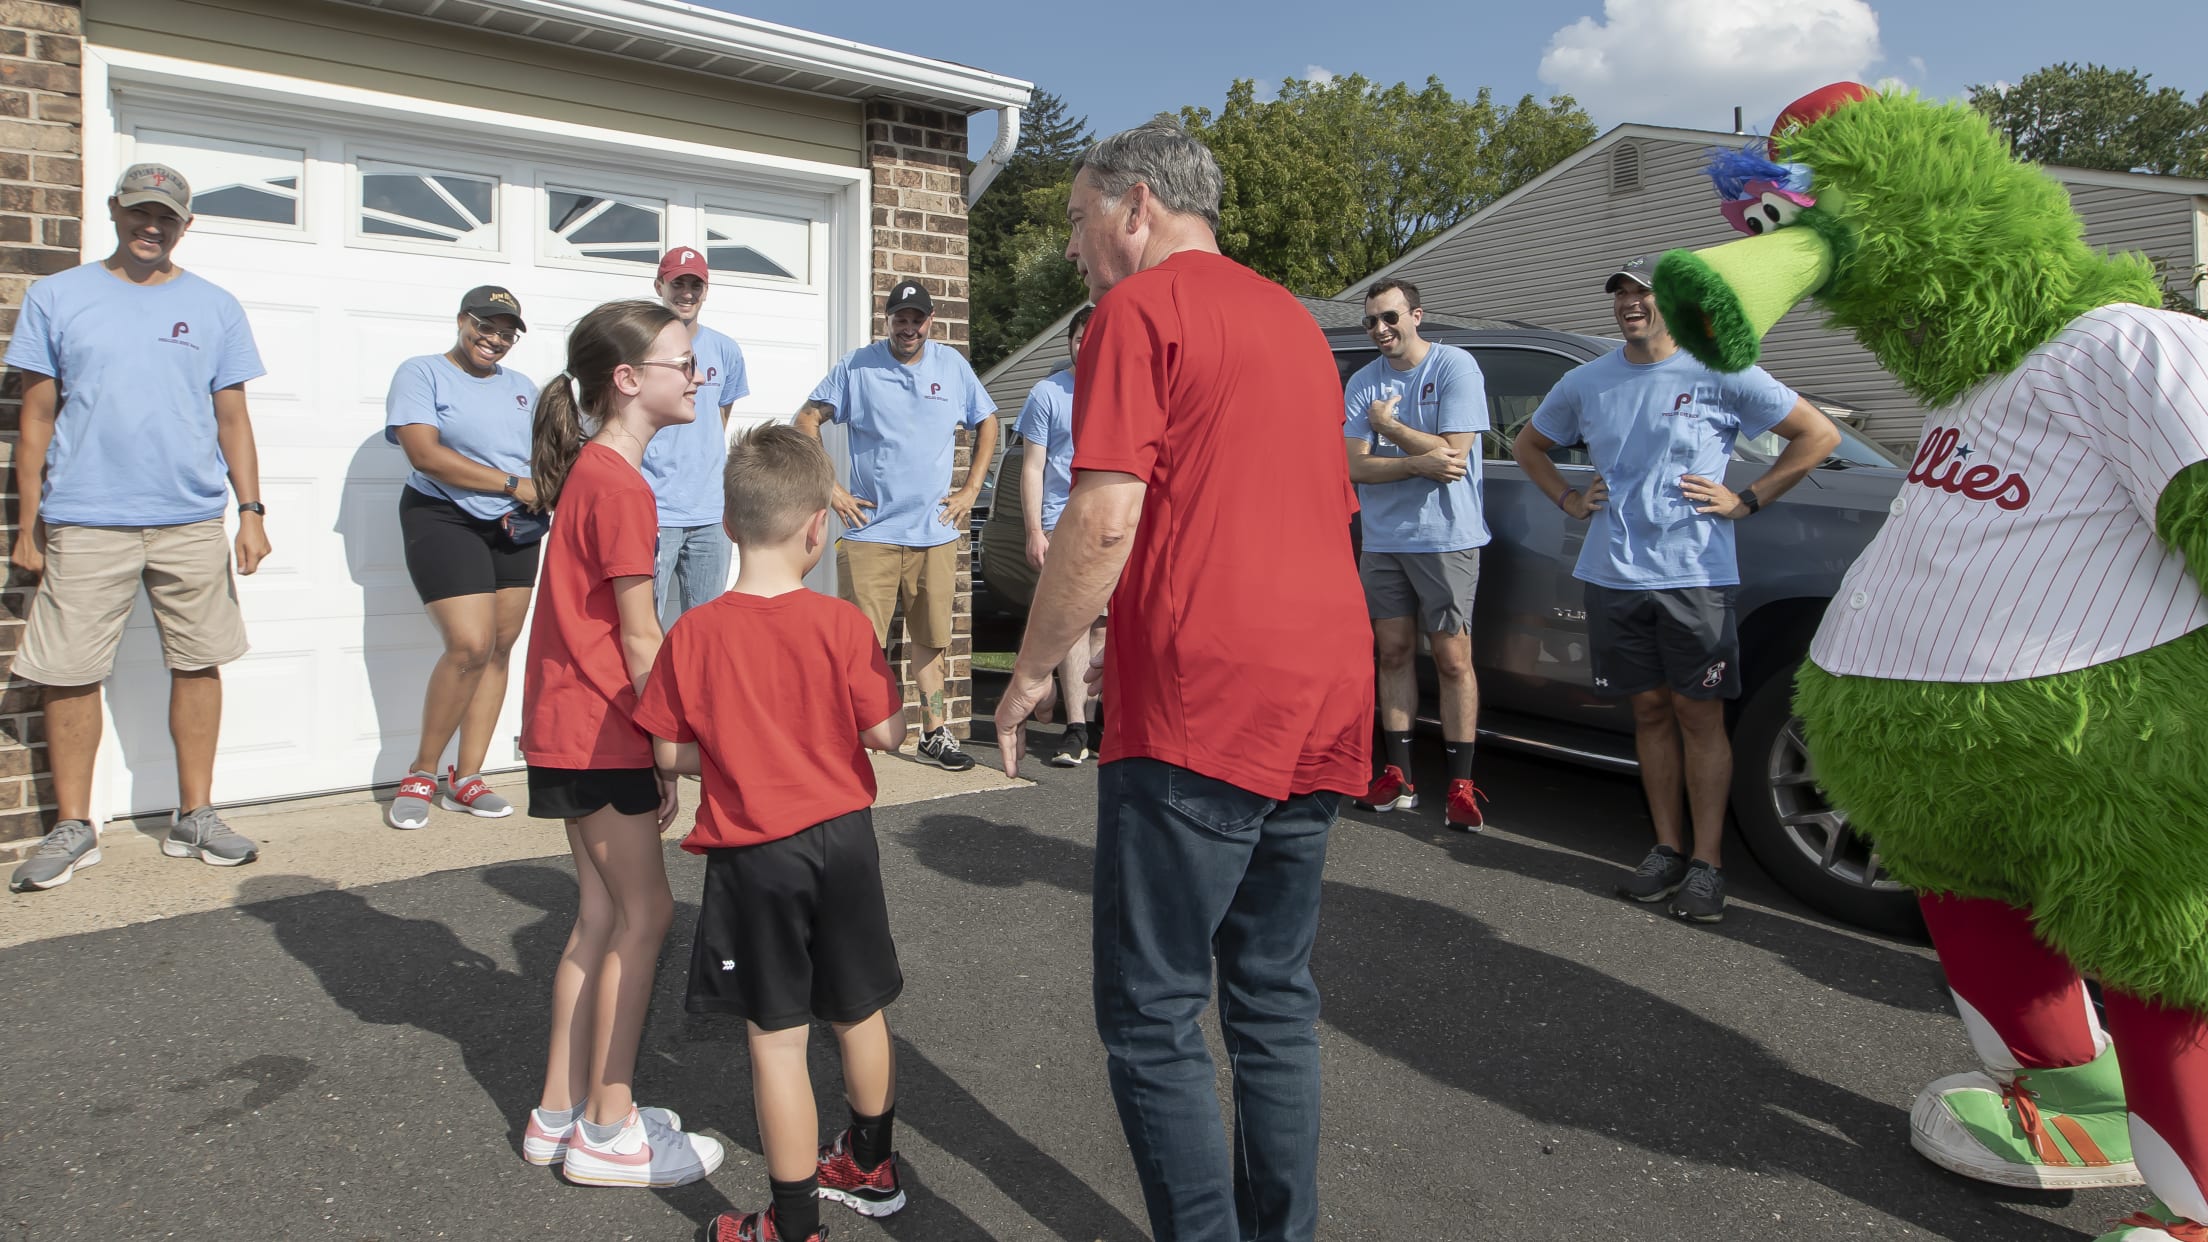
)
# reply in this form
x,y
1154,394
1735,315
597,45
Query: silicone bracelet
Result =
x,y
1568,493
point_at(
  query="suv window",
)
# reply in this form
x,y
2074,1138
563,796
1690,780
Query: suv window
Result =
x,y
1517,380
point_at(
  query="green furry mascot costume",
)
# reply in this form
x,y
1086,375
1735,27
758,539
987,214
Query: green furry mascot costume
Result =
x,y
2010,695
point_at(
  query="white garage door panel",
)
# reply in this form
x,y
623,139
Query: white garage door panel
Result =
x,y
330,696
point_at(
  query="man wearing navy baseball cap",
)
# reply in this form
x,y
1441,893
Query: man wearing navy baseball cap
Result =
x,y
683,463
903,400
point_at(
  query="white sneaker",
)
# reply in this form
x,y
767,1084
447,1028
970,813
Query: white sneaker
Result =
x,y
644,1153
543,1145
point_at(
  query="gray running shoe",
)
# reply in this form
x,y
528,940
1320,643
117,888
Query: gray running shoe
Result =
x,y
1702,897
409,807
470,794
204,836
1659,876
72,844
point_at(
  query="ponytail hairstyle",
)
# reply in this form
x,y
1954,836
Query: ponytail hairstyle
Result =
x,y
614,334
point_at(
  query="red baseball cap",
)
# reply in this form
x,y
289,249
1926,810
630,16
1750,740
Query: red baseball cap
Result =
x,y
684,261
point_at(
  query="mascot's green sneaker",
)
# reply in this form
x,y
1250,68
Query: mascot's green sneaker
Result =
x,y
2158,1224
2052,1129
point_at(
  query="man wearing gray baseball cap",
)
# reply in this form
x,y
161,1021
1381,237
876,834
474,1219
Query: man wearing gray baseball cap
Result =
x,y
134,374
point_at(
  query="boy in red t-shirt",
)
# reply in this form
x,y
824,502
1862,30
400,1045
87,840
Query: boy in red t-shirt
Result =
x,y
771,694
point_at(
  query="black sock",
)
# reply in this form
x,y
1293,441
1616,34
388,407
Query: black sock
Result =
x,y
1460,759
796,1208
1398,748
870,1138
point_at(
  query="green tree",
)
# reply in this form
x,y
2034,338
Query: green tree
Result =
x,y
1330,181
2092,116
1019,282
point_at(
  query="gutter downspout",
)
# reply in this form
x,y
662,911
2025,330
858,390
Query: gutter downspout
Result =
x,y
1008,140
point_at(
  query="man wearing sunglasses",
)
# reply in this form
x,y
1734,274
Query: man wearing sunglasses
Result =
x,y
1412,423
903,400
683,463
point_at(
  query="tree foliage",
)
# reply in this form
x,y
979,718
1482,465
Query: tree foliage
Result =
x,y
1016,235
1330,181
2091,116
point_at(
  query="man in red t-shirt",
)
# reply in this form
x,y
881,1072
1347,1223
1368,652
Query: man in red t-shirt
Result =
x,y
1210,489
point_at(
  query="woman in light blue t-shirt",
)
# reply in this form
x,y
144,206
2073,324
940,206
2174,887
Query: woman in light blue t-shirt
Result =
x,y
471,532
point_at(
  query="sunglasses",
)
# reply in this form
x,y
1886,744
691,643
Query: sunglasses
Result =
x,y
484,326
1388,317
687,363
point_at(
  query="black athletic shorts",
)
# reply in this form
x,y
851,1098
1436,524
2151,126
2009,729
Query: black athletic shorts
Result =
x,y
572,793
451,552
796,929
1682,637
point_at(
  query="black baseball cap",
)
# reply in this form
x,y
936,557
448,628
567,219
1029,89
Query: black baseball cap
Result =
x,y
1641,270
484,301
909,293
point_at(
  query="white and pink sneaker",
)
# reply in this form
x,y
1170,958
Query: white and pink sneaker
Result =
x,y
645,1153
541,1145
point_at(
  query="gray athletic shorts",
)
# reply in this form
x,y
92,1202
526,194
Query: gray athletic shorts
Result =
x,y
1437,586
1683,637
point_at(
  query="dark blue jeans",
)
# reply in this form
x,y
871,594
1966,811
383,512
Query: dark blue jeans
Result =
x,y
1189,869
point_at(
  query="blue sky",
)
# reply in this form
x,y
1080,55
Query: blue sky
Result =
x,y
1675,62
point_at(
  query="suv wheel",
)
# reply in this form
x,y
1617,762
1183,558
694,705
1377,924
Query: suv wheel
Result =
x,y
1801,839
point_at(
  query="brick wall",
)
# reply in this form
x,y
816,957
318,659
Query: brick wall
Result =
x,y
41,206
918,158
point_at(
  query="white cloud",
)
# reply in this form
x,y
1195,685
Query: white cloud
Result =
x,y
1917,63
1318,75
1689,62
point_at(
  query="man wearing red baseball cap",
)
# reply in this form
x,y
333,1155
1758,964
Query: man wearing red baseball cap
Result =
x,y
684,462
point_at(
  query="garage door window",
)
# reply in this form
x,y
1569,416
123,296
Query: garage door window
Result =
x,y
408,203
752,243
232,181
580,224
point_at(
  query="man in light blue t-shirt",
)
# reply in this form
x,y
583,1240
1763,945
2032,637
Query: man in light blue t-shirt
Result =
x,y
902,401
134,438
684,462
1412,420
1658,559
1046,479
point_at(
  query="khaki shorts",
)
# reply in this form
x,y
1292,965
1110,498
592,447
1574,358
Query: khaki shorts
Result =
x,y
91,580
880,576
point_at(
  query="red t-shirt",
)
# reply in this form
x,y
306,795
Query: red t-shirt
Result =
x,y
576,696
1239,646
775,690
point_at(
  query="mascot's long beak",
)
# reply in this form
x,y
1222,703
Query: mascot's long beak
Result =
x,y
1719,302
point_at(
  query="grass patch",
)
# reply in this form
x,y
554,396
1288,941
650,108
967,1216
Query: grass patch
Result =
x,y
994,661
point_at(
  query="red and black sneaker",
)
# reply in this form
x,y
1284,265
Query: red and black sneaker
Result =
x,y
874,1193
752,1227
1390,791
1464,806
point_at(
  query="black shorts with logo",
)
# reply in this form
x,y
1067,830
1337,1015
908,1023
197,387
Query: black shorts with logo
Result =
x,y
1682,637
796,929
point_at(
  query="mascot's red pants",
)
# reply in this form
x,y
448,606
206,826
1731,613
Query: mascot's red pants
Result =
x,y
2035,1003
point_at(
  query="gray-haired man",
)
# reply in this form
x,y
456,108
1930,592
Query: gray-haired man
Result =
x,y
1241,699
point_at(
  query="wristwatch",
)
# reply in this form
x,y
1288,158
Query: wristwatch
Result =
x,y
253,506
512,482
1748,498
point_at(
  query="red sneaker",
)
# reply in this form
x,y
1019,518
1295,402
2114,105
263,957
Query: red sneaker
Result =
x,y
752,1227
873,1193
1389,792
1464,808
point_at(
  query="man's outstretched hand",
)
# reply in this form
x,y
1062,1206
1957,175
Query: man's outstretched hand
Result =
x,y
1022,699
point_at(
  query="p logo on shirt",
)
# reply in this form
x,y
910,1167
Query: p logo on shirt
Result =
x,y
522,400
177,334
935,392
711,374
180,329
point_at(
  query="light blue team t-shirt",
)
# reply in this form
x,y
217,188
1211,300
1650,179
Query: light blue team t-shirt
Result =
x,y
137,367
485,419
683,463
1443,395
903,424
1046,422
1645,425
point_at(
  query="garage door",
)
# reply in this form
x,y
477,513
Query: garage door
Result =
x,y
349,248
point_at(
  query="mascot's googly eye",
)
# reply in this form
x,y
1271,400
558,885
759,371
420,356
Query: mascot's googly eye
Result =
x,y
1765,208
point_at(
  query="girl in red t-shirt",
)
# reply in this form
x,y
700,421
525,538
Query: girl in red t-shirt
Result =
x,y
629,373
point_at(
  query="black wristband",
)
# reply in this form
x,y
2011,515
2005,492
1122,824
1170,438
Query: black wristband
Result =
x,y
1748,498
253,506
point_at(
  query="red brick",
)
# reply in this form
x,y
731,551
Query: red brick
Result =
x,y
40,262
15,166
951,226
33,15
69,108
49,200
909,219
885,195
40,75
63,170
59,48
14,43
15,228
61,232
23,825
904,263
15,103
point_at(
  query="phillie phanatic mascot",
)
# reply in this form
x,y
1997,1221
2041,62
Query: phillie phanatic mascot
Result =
x,y
2009,695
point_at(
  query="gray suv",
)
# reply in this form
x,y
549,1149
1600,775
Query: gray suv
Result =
x,y
1530,633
